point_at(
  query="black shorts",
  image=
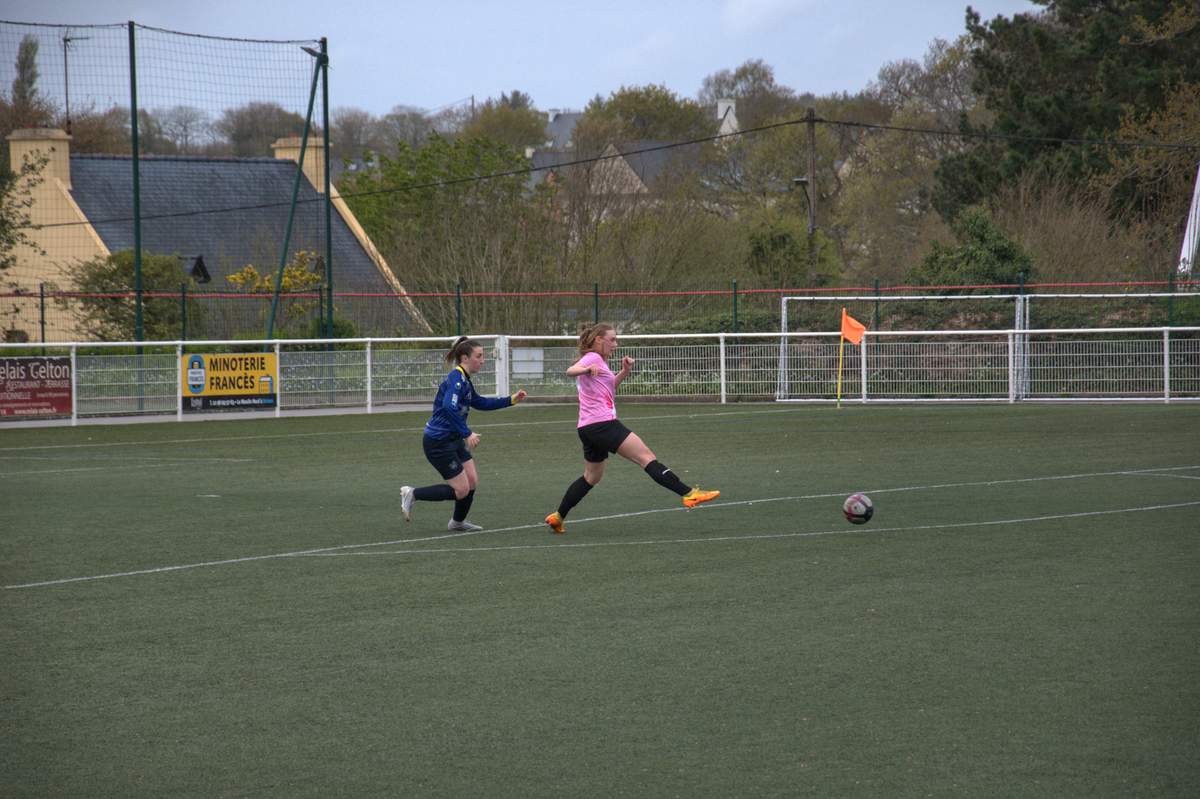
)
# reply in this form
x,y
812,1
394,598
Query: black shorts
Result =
x,y
447,455
601,438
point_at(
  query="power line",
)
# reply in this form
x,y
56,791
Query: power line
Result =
x,y
441,108
657,148
990,136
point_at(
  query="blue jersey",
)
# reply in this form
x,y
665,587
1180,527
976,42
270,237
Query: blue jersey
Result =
x,y
455,398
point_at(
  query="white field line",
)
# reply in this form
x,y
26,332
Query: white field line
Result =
x,y
119,458
753,536
113,467
377,431
109,468
708,507
1178,476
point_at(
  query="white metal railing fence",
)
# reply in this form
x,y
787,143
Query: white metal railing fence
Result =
x,y
1021,310
1116,364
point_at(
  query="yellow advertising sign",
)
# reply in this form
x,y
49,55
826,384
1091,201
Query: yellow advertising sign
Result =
x,y
242,380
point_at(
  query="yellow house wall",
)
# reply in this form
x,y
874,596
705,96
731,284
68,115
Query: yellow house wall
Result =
x,y
73,240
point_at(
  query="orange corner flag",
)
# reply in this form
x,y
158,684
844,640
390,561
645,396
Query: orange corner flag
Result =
x,y
852,329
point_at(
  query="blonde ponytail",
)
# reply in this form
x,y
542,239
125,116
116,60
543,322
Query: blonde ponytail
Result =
x,y
589,334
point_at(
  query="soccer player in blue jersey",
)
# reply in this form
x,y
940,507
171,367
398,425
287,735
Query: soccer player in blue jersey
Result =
x,y
448,441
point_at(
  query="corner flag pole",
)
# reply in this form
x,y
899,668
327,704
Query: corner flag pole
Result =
x,y
851,329
841,349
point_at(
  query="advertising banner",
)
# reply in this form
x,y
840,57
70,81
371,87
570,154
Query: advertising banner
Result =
x,y
35,386
229,382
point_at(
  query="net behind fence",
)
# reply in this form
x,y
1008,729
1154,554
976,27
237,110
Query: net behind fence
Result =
x,y
203,180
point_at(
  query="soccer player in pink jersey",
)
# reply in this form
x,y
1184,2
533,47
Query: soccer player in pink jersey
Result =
x,y
600,431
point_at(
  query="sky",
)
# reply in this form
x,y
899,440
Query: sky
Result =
x,y
434,54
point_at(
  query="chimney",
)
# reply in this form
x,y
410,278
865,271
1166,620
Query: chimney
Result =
x,y
288,148
32,143
727,117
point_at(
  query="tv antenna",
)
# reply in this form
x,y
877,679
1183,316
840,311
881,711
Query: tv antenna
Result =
x,y
66,45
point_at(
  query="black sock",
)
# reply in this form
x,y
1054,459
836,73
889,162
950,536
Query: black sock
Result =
x,y
575,492
461,506
666,478
438,493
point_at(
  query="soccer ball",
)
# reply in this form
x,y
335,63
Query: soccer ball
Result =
x,y
858,509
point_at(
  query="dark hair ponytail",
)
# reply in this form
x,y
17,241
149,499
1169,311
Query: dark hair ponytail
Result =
x,y
461,348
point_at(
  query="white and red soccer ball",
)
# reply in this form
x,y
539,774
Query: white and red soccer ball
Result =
x,y
858,509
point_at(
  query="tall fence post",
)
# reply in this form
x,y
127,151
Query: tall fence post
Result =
x,y
179,382
327,362
74,385
876,327
721,347
458,309
595,303
328,191
862,365
139,321
137,187
370,385
1012,367
183,311
287,234
1171,298
42,310
1166,364
735,315
278,380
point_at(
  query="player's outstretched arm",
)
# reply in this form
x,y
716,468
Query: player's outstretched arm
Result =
x,y
495,403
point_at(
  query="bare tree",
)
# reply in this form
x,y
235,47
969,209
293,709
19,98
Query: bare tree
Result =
x,y
403,124
355,133
935,92
95,131
449,122
190,128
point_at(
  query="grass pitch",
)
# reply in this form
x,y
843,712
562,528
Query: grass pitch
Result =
x,y
238,609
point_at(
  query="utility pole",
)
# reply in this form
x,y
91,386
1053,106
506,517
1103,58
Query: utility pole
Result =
x,y
811,123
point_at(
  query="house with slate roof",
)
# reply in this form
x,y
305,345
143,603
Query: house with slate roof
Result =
x,y
223,212
635,167
560,129
624,168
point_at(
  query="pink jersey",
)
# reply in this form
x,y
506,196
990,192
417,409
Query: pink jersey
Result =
x,y
596,394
